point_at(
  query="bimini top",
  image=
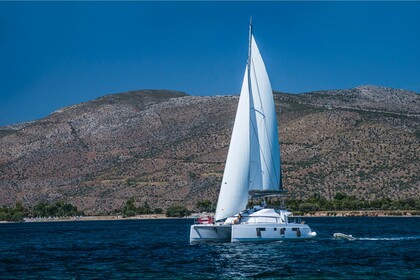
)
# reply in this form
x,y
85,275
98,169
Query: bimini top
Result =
x,y
265,213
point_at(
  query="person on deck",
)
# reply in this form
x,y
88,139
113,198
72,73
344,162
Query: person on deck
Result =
x,y
237,220
263,204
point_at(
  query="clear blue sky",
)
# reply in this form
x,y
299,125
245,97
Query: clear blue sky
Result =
x,y
55,54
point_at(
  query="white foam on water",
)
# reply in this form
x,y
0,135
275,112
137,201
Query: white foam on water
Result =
x,y
389,238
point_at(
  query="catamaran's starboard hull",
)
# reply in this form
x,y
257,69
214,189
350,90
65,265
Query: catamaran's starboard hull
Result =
x,y
210,233
250,232
270,232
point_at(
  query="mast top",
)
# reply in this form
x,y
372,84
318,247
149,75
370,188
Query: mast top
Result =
x,y
249,44
250,26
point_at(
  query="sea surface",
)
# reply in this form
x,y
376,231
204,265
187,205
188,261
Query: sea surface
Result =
x,y
385,248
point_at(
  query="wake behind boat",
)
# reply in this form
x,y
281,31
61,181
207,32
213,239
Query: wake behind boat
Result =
x,y
252,168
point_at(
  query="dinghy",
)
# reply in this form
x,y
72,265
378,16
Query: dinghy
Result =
x,y
339,235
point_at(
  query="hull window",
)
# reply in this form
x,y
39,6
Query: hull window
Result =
x,y
259,231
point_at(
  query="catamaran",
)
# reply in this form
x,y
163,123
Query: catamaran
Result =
x,y
252,169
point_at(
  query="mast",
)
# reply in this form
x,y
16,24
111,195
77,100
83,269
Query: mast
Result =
x,y
251,103
249,53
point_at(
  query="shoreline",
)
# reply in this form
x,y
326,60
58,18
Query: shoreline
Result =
x,y
363,213
96,218
316,214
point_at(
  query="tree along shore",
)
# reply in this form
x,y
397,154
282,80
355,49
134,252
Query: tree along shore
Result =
x,y
342,205
18,212
61,211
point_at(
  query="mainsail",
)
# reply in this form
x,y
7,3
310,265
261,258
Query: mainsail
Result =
x,y
253,161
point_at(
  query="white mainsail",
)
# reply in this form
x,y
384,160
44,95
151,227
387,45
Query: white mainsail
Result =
x,y
253,161
265,126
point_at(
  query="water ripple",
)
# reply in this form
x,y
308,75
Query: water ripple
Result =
x,y
159,249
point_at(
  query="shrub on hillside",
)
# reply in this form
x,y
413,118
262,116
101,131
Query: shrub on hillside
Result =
x,y
177,211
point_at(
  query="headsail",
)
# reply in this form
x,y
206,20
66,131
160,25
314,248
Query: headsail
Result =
x,y
253,161
233,195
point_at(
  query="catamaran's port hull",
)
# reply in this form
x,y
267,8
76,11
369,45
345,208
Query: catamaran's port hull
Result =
x,y
210,233
250,232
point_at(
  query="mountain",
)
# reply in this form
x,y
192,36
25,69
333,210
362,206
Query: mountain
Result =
x,y
166,147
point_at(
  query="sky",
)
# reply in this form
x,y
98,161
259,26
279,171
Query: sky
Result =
x,y
56,54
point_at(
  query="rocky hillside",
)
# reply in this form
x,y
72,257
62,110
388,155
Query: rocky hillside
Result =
x,y
372,98
166,148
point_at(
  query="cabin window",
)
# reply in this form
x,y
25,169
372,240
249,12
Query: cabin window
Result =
x,y
294,220
295,229
259,231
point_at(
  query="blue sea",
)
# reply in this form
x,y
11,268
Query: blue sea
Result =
x,y
385,248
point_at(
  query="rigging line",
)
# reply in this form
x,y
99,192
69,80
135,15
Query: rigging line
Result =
x,y
249,85
254,135
265,124
252,178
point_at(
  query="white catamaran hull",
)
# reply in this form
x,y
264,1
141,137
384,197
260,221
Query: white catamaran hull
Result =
x,y
250,232
210,233
270,232
254,225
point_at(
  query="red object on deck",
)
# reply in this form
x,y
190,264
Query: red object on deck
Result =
x,y
205,220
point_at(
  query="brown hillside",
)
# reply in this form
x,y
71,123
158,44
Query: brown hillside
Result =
x,y
169,148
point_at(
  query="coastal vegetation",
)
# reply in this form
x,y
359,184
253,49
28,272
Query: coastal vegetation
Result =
x,y
130,209
43,209
177,211
15,213
343,202
205,206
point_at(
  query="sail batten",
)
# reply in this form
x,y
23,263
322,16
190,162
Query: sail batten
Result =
x,y
253,161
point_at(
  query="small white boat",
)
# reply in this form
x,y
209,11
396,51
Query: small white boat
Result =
x,y
252,168
339,235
